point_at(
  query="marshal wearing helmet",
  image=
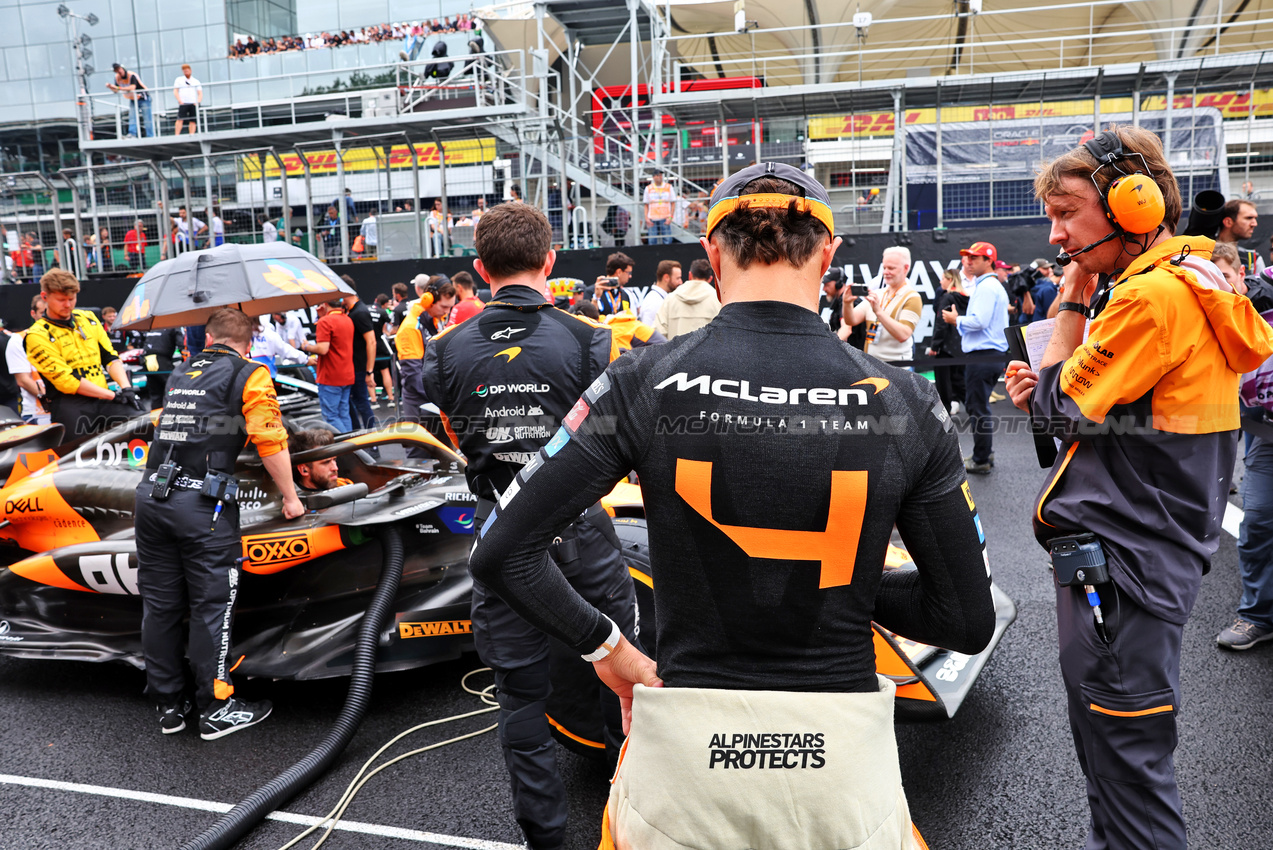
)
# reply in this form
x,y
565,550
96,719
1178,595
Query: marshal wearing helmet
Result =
x,y
1145,405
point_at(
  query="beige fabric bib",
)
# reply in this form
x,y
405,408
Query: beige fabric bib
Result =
x,y
731,770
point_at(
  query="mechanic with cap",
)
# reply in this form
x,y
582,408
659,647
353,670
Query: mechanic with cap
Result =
x,y
69,349
982,332
765,724
422,320
1145,405
504,381
187,524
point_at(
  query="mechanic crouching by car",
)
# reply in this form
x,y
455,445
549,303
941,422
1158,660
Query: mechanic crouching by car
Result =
x,y
768,531
69,349
504,381
188,524
1145,404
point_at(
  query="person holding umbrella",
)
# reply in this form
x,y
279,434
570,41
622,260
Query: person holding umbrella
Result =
x,y
70,350
188,524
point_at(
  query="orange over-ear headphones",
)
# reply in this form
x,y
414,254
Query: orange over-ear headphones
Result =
x,y
1133,202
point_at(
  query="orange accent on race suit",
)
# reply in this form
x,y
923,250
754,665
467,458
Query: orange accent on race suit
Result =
x,y
1038,511
237,663
920,843
1144,712
275,551
835,547
641,577
41,569
572,736
607,843
222,690
880,384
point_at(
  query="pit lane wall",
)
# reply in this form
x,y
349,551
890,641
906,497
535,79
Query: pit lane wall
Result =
x,y
931,251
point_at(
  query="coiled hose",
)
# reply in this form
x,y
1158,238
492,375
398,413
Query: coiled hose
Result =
x,y
246,815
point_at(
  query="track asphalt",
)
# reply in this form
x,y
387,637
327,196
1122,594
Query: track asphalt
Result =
x,y
1002,774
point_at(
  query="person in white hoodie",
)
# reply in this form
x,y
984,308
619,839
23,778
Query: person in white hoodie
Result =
x,y
691,305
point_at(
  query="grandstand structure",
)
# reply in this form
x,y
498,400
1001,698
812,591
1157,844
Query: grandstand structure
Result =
x,y
914,119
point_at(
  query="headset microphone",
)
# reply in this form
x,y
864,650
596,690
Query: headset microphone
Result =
x,y
1065,257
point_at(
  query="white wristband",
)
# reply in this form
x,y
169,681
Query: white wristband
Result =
x,y
608,646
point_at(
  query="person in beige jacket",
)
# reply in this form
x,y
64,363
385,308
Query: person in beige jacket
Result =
x,y
691,305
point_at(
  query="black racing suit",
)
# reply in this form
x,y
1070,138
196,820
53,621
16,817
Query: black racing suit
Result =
x,y
504,380
774,462
162,345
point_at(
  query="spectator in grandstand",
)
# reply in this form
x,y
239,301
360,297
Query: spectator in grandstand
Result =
x,y
333,346
185,239
269,231
1238,220
478,211
217,227
351,212
368,234
134,246
238,50
131,87
467,303
71,253
106,259
514,194
1046,287
945,343
658,199
667,278
188,92
329,235
691,305
893,310
36,254
438,226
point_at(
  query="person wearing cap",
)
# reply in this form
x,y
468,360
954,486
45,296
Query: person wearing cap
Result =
x,y
1144,401
767,533
982,333
1045,288
892,311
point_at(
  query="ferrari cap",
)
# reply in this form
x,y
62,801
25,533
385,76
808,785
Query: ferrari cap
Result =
x,y
981,249
725,198
1000,264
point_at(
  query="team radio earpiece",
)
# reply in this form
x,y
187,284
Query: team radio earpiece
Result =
x,y
1133,203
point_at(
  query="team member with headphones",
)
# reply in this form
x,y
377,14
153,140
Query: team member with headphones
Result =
x,y
425,318
1146,408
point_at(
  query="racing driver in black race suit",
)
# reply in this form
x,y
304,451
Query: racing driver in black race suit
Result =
x,y
774,461
504,380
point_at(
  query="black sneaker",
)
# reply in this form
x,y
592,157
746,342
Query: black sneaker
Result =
x,y
231,715
1243,634
172,716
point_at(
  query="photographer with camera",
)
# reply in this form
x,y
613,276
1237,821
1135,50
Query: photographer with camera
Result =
x,y
609,291
893,310
68,348
1145,403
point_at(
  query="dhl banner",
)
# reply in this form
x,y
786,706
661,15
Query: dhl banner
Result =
x,y
1230,104
458,152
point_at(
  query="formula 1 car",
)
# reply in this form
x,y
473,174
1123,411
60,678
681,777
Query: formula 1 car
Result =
x,y
68,567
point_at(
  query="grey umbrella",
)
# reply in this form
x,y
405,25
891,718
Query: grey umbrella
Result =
x,y
257,279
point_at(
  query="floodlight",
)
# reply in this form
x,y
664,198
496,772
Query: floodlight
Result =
x,y
85,53
85,40
92,19
62,11
89,69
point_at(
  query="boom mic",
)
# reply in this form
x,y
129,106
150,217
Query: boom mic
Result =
x,y
1065,257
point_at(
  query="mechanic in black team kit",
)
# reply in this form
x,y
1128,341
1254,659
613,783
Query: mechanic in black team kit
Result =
x,y
504,381
774,461
186,550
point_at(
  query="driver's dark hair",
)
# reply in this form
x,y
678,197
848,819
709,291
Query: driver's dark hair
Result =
x,y
769,235
303,441
513,238
229,323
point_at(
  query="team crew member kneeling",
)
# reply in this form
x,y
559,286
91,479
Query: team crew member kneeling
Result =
x,y
1145,403
69,348
505,380
769,523
188,524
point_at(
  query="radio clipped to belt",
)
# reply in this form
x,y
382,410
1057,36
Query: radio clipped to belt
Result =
x,y
1078,559
161,481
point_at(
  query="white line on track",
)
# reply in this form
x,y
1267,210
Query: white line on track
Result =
x,y
285,817
1232,518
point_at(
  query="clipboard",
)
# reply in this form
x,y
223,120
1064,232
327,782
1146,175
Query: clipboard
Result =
x,y
1044,445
